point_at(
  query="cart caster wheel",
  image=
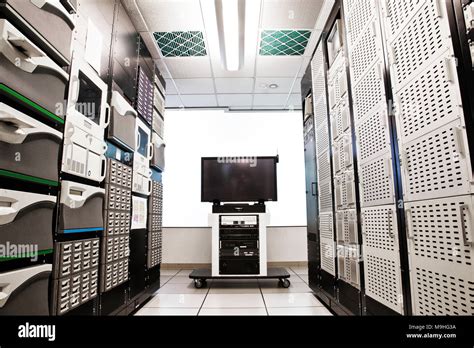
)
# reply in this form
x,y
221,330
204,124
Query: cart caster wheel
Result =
x,y
285,283
199,283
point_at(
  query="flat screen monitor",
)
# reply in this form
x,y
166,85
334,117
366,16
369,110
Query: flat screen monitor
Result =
x,y
239,179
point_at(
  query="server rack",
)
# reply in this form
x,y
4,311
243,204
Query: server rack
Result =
x,y
82,211
409,70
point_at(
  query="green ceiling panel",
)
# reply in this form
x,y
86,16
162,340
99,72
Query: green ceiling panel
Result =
x,y
284,42
181,43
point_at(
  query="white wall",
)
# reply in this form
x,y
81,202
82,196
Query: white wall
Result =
x,y
193,245
191,135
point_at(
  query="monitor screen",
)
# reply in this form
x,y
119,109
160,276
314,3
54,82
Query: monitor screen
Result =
x,y
239,179
89,102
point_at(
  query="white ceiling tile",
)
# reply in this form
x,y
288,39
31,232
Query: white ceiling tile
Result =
x,y
171,15
270,100
204,100
234,85
283,66
195,86
290,14
284,85
188,67
235,100
170,88
173,101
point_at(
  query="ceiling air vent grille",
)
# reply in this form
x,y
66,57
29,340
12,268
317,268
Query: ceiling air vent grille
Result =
x,y
181,43
284,42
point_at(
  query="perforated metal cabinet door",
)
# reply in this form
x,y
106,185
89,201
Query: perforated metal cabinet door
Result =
x,y
346,227
320,112
376,182
328,260
366,50
397,14
369,93
373,136
325,196
322,139
430,100
441,252
358,15
437,164
317,72
348,262
380,247
340,119
324,167
424,37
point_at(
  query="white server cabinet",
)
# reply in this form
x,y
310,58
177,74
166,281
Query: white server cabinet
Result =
x,y
324,170
380,244
436,167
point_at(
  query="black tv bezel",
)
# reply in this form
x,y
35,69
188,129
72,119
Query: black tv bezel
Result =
x,y
273,199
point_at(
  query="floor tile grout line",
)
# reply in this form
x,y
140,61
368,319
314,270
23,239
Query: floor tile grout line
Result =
x,y
263,297
205,297
298,276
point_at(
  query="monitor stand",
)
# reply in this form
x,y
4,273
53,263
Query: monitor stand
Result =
x,y
238,208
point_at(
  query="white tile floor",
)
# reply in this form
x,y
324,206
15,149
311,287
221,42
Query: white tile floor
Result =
x,y
178,296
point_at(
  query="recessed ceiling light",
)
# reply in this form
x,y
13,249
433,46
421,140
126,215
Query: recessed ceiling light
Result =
x,y
273,86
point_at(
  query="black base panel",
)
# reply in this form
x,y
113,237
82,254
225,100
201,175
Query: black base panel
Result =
x,y
376,308
349,297
331,303
154,276
112,300
137,265
313,275
327,282
272,273
87,309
